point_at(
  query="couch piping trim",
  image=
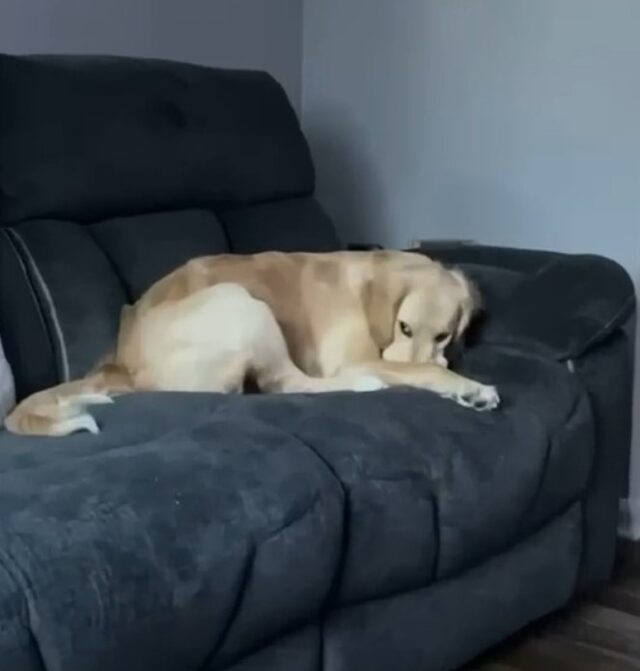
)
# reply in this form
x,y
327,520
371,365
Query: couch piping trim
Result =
x,y
32,294
46,294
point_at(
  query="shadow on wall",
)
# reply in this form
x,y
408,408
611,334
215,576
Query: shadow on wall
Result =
x,y
348,177
476,210
370,201
635,452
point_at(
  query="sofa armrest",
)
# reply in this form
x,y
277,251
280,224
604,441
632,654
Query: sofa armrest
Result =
x,y
565,304
566,308
507,258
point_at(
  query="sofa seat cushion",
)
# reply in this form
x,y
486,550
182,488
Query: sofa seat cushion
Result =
x,y
192,514
432,488
155,554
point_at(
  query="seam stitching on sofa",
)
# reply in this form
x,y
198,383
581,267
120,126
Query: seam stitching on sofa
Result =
x,y
126,289
234,611
584,547
432,496
549,264
544,469
629,301
516,543
55,321
528,531
333,591
602,330
285,631
27,593
437,536
224,227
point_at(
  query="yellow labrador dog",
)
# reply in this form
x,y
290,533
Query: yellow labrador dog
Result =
x,y
299,322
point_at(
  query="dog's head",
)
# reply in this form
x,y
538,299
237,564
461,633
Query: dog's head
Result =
x,y
431,315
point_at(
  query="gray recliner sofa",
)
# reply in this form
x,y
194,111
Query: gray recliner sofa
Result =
x,y
338,532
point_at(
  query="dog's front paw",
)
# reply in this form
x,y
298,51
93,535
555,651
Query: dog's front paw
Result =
x,y
368,383
481,397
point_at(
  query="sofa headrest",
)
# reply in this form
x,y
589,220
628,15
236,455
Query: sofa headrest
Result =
x,y
87,138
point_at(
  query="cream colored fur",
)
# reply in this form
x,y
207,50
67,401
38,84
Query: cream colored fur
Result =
x,y
355,321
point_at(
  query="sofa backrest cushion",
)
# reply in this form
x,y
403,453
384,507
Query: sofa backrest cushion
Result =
x,y
114,171
85,138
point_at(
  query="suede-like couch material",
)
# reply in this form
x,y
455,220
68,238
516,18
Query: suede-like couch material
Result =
x,y
337,532
122,136
211,524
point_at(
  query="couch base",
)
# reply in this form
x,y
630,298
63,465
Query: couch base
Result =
x,y
440,627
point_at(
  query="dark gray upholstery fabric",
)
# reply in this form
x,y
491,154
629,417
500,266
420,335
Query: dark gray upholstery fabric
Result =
x,y
339,532
571,305
445,625
607,373
302,226
187,503
298,651
98,137
145,248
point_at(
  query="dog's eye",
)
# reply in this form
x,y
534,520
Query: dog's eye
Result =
x,y
405,329
441,337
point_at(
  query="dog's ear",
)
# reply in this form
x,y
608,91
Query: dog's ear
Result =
x,y
382,299
470,303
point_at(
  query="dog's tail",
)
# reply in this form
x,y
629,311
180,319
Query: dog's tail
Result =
x,y
62,410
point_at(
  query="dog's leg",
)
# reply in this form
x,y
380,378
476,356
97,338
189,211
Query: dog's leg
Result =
x,y
442,381
289,379
274,370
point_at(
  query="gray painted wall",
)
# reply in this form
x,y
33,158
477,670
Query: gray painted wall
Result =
x,y
264,34
514,122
